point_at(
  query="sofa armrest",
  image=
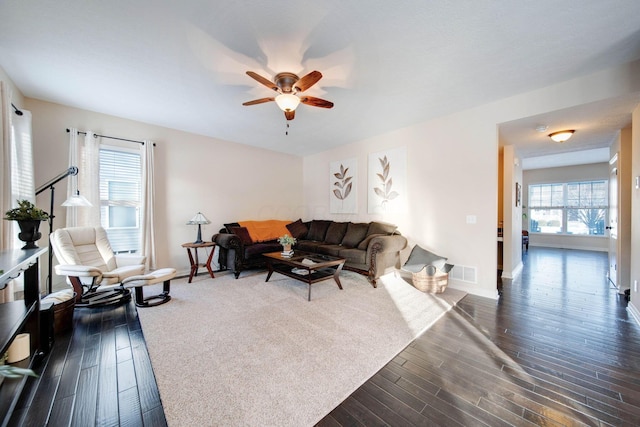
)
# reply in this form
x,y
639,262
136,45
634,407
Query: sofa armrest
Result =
x,y
384,244
383,254
227,240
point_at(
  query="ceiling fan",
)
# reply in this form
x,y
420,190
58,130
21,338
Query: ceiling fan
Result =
x,y
288,86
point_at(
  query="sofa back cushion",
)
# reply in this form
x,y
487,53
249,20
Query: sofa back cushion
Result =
x,y
381,228
335,233
298,229
356,232
318,230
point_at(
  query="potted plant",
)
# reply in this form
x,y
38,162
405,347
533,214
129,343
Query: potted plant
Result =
x,y
29,218
286,241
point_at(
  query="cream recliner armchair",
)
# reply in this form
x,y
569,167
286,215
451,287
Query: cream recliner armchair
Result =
x,y
96,274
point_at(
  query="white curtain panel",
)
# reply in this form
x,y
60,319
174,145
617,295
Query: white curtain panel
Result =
x,y
72,215
148,204
85,155
6,234
5,165
17,177
89,181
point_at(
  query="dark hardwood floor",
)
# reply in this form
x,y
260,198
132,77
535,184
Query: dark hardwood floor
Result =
x,y
97,375
558,348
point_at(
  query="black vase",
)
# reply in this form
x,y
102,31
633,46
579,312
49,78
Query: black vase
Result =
x,y
29,232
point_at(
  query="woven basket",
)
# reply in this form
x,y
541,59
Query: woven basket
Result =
x,y
431,279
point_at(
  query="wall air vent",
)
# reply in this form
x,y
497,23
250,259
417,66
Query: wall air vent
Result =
x,y
464,273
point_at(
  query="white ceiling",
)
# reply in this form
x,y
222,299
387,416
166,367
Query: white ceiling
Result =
x,y
386,64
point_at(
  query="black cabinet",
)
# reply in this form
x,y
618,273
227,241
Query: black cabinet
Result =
x,y
18,317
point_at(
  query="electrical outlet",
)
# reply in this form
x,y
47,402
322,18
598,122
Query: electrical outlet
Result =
x,y
471,219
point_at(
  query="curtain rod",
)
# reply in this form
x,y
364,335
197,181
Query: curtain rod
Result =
x,y
95,135
18,112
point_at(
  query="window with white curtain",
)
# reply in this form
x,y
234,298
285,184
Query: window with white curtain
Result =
x,y
573,208
120,197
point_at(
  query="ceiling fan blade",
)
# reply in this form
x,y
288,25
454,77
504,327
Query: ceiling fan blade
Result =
x,y
268,83
307,81
258,101
290,115
316,102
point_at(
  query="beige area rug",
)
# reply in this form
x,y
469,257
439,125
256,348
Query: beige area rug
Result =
x,y
243,352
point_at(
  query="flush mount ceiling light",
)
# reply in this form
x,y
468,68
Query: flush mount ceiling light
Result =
x,y
562,135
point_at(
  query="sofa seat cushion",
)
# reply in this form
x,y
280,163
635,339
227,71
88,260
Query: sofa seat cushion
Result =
x,y
308,245
258,249
353,256
333,250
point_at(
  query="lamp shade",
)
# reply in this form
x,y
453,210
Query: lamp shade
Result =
x,y
287,102
198,219
76,200
561,136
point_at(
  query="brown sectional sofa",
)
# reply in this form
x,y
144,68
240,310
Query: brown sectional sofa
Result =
x,y
369,248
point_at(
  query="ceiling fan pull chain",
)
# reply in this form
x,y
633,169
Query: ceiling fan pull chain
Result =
x,y
286,132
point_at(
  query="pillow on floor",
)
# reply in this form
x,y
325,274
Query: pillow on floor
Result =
x,y
420,258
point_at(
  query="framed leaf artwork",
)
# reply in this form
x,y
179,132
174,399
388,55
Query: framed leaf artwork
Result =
x,y
387,181
343,186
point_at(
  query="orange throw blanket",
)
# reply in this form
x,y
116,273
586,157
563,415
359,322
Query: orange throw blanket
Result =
x,y
269,229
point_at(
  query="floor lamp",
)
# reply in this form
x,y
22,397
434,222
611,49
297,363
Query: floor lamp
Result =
x,y
74,200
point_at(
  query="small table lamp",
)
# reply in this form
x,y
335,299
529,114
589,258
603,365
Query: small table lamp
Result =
x,y
199,219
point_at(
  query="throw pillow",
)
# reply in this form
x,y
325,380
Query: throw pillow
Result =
x,y
298,229
335,233
356,232
381,228
420,258
230,225
243,234
318,230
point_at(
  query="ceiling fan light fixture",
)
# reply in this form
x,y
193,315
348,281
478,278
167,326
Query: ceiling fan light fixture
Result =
x,y
562,135
287,101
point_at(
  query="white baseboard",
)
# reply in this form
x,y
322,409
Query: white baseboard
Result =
x,y
634,313
563,246
513,274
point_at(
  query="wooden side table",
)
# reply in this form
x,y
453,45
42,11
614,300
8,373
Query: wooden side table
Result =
x,y
194,260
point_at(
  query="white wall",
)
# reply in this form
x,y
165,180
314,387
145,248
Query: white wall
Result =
x,y
512,214
225,181
453,170
588,172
